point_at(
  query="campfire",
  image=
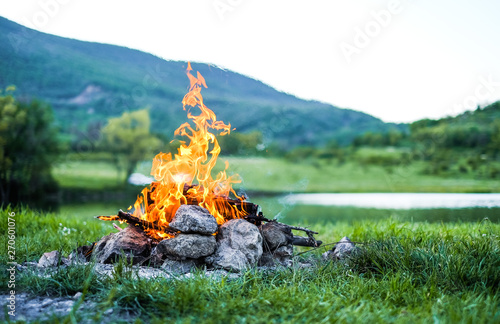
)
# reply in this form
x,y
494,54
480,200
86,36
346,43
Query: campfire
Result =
x,y
175,177
187,217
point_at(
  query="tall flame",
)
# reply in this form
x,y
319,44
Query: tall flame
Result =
x,y
187,178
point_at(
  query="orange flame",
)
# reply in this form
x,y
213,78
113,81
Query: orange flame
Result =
x,y
187,179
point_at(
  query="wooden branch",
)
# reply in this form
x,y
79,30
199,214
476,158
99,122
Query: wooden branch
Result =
x,y
130,219
258,219
244,206
305,241
297,240
297,228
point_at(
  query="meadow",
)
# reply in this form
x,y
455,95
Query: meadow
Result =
x,y
278,175
415,266
405,272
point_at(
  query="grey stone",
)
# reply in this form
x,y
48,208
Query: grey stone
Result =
x,y
42,309
156,259
228,258
340,250
192,246
131,241
77,296
179,266
275,235
45,303
136,271
281,256
75,257
63,306
150,273
193,219
81,255
50,259
239,246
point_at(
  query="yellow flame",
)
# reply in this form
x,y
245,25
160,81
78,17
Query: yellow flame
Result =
x,y
187,178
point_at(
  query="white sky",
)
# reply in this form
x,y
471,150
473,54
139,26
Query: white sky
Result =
x,y
425,59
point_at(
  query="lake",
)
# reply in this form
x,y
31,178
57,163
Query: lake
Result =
x,y
397,200
351,207
332,208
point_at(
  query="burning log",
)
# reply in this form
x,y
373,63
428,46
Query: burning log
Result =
x,y
130,219
245,207
222,202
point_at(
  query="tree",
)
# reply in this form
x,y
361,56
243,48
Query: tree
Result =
x,y
240,143
495,138
129,140
28,146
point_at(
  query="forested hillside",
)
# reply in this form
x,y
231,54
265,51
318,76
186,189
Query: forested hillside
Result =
x,y
87,83
472,129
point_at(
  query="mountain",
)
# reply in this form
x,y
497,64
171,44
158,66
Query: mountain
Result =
x,y
87,82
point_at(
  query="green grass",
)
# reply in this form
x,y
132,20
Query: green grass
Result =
x,y
279,175
406,272
92,175
276,175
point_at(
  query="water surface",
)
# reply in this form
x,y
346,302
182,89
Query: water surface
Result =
x,y
397,200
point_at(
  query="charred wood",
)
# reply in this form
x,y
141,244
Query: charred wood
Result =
x,y
130,219
305,241
257,219
310,241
